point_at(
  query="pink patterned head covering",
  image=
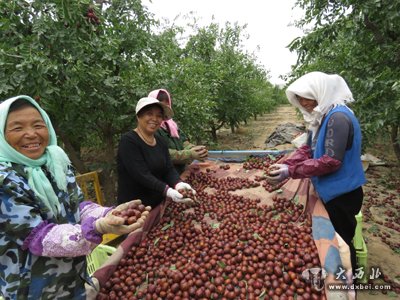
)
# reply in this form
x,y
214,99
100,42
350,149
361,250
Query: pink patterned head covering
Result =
x,y
170,124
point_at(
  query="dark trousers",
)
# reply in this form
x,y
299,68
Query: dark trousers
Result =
x,y
342,211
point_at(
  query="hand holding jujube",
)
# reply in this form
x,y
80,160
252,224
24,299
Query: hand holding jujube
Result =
x,y
184,186
124,218
187,193
277,173
179,194
131,212
199,152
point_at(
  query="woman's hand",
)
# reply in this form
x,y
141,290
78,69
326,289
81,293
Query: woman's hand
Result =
x,y
114,223
199,152
277,173
177,197
131,204
184,186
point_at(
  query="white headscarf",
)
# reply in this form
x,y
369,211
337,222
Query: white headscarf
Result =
x,y
328,90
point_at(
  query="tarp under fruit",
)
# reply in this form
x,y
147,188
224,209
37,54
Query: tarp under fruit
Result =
x,y
298,191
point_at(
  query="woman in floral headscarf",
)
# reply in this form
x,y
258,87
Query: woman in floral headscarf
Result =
x,y
46,229
331,157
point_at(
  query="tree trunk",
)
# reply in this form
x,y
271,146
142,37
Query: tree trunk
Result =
x,y
214,134
73,154
232,128
395,138
108,175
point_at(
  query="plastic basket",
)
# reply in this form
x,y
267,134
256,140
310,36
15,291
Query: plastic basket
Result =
x,y
98,256
362,260
109,237
358,240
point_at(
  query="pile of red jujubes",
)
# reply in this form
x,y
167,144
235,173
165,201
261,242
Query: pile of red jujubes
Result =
x,y
224,247
383,227
132,214
273,187
261,162
264,163
204,180
389,220
225,167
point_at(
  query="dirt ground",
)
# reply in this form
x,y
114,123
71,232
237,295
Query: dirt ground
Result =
x,y
381,213
254,134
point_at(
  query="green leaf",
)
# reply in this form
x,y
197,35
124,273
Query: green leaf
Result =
x,y
245,283
392,294
168,226
66,10
257,236
221,264
262,293
373,229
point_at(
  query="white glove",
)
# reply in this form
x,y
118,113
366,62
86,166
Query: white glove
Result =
x,y
177,197
277,173
184,186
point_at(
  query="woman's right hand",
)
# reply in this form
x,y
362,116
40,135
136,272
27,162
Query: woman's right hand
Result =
x,y
199,152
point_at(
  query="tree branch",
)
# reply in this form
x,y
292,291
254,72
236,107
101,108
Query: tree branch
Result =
x,y
374,29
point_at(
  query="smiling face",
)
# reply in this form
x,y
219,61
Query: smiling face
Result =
x,y
26,132
150,118
307,104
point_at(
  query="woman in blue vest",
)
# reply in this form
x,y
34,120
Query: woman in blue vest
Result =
x,y
331,156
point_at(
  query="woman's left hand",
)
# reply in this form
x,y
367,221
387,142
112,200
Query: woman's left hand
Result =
x,y
112,223
131,204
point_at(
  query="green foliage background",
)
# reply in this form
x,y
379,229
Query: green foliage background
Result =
x,y
89,62
360,41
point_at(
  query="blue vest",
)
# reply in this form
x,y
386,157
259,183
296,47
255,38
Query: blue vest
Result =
x,y
351,174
